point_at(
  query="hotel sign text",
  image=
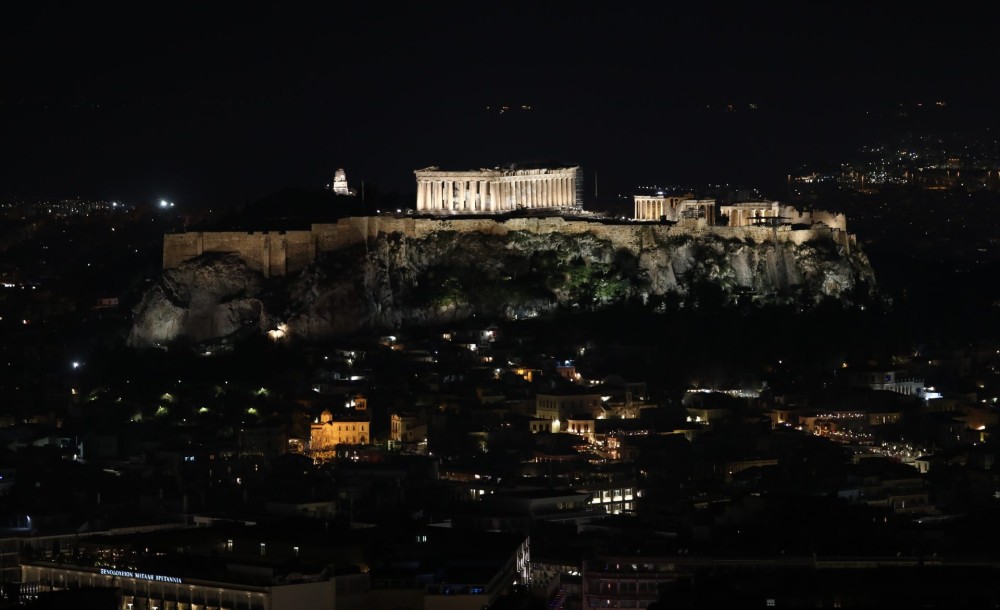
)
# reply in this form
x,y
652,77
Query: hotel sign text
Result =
x,y
140,575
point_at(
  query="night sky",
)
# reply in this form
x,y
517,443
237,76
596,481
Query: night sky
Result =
x,y
209,106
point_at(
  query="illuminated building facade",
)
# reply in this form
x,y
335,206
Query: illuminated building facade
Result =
x,y
339,185
495,191
562,406
625,582
349,428
145,591
405,428
673,208
330,432
773,213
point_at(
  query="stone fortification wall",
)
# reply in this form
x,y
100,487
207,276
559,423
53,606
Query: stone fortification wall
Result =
x,y
280,253
632,236
270,253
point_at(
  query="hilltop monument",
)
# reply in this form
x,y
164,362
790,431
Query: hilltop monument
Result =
x,y
339,185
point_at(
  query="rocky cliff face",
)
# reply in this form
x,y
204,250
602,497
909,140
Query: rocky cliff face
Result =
x,y
208,298
395,280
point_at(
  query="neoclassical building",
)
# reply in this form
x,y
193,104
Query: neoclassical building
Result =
x,y
494,191
348,428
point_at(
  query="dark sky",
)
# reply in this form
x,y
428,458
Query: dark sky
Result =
x,y
210,105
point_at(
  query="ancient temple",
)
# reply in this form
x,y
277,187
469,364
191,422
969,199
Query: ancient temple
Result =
x,y
495,191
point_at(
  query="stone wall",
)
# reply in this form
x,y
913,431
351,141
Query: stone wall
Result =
x,y
270,253
281,253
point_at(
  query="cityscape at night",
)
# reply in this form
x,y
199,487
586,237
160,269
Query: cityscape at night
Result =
x,y
498,308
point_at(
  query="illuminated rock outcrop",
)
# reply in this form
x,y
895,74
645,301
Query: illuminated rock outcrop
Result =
x,y
429,271
207,298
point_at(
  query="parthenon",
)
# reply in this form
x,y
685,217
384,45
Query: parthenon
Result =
x,y
495,191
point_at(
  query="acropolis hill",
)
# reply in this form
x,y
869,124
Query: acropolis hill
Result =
x,y
383,272
503,243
